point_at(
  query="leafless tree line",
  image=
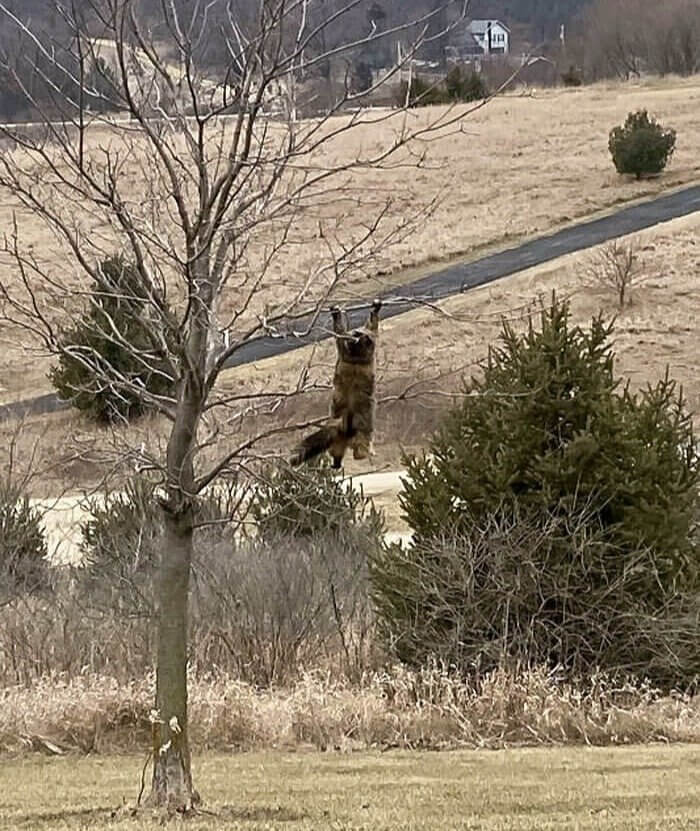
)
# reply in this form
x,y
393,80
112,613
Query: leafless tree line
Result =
x,y
626,38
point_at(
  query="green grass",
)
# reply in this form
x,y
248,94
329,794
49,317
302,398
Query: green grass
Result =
x,y
573,788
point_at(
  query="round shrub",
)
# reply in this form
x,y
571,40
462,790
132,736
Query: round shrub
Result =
x,y
24,567
465,85
641,145
312,503
110,356
554,519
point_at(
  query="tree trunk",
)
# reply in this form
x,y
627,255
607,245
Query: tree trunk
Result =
x,y
172,778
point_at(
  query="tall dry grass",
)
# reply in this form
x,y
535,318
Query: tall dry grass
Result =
x,y
395,708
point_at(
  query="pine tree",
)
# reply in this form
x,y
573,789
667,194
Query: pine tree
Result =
x,y
641,146
598,488
117,316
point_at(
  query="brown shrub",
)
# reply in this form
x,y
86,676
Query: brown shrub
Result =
x,y
430,708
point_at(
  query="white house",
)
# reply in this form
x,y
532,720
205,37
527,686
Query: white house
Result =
x,y
492,36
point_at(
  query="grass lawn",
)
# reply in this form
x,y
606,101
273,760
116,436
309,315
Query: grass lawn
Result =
x,y
572,788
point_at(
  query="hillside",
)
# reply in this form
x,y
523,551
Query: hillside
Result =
x,y
520,167
538,21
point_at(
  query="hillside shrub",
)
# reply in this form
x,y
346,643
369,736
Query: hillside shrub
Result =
x,y
421,93
572,77
641,146
465,85
554,519
313,503
24,568
109,355
459,85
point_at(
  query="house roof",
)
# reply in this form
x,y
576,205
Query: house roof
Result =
x,y
481,27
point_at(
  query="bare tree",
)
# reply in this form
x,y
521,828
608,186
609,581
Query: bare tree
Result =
x,y
239,217
616,265
628,37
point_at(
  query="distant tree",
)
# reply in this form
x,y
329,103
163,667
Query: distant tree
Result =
x,y
362,75
572,77
641,146
114,331
626,37
421,93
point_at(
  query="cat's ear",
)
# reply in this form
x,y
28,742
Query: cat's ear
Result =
x,y
373,319
339,323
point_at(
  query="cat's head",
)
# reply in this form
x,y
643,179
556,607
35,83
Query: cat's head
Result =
x,y
357,347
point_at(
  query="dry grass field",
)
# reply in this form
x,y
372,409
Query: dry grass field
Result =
x,y
630,789
522,165
659,328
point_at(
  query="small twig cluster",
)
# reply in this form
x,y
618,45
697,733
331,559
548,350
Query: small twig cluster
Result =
x,y
616,266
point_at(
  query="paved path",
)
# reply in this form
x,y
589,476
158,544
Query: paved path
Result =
x,y
453,279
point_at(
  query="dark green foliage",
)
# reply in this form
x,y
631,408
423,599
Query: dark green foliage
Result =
x,y
641,146
597,488
24,568
572,77
421,94
312,503
362,76
465,85
459,85
110,354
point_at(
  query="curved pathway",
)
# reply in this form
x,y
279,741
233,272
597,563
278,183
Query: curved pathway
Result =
x,y
450,280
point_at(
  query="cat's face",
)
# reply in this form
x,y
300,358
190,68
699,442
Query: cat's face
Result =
x,y
358,347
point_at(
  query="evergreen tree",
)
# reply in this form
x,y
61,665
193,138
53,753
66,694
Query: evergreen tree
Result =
x,y
605,482
118,315
641,146
24,567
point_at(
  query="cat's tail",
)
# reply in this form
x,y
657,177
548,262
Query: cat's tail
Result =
x,y
333,438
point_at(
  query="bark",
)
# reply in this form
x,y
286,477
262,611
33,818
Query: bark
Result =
x,y
172,778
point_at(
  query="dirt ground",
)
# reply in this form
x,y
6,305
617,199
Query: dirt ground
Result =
x,y
522,165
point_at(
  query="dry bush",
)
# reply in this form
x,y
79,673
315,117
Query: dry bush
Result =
x,y
513,593
394,708
260,611
615,266
267,609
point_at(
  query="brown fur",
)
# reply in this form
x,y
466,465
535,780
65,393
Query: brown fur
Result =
x,y
353,405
